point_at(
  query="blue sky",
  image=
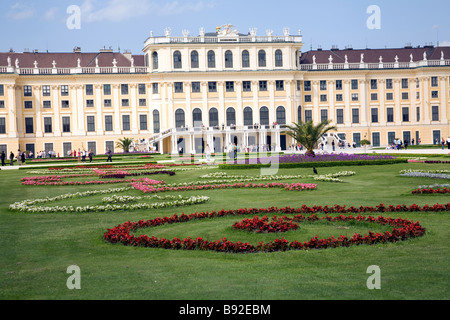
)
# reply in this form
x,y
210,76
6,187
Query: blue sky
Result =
x,y
126,24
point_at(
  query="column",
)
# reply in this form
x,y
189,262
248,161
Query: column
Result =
x,y
73,106
134,113
315,98
98,105
80,110
425,99
188,108
331,98
255,102
13,115
116,104
239,106
397,101
289,99
272,107
364,102
381,99
37,106
347,109
443,95
55,102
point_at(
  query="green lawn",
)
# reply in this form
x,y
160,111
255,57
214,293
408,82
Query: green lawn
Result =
x,y
37,249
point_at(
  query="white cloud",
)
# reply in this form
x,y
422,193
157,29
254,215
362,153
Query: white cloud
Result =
x,y
51,14
445,43
120,10
20,12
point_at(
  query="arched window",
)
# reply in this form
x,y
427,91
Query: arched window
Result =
x,y
213,117
231,117
248,116
211,59
245,59
261,58
299,114
194,59
177,60
281,115
278,58
155,60
179,118
264,116
156,127
197,118
228,59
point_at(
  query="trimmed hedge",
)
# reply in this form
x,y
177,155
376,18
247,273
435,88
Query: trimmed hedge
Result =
x,y
314,164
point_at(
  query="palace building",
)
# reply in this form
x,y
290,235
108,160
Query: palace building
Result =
x,y
217,88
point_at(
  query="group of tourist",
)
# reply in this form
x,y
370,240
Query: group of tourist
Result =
x,y
21,158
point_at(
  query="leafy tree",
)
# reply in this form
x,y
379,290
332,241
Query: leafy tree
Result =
x,y
124,144
308,134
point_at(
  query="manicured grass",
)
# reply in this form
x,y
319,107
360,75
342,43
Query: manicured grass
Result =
x,y
36,249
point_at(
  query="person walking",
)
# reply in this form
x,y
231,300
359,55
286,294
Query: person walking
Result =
x,y
448,143
19,157
332,143
443,143
208,153
11,158
3,157
109,153
22,157
91,154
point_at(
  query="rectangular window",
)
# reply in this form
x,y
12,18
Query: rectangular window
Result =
x,y
390,114
308,98
323,98
195,87
106,89
108,123
374,84
405,114
92,147
354,84
141,88
89,88
229,86
125,122
64,90
2,125
405,96
338,84
308,115
404,83
65,124
28,104
435,113
355,97
2,104
212,86
90,121
67,148
178,87
389,84
374,96
389,96
374,114
142,102
46,91
124,89
434,94
263,86
246,86
109,145
155,88
299,87
307,86
323,85
434,81
125,103
2,90
339,116
339,97
279,85
417,114
323,115
391,137
355,115
375,139
90,103
357,139
46,104
107,102
27,91
143,122
417,95
29,125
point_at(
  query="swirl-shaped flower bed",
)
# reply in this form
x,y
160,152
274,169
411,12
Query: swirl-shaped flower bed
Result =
x,y
262,225
402,229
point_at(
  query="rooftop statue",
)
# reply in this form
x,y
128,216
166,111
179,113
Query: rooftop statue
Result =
x,y
226,30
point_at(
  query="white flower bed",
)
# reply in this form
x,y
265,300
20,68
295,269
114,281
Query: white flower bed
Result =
x,y
435,174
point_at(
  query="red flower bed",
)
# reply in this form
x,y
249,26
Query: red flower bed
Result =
x,y
430,190
262,225
402,229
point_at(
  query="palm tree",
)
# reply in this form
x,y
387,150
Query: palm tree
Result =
x,y
124,144
308,134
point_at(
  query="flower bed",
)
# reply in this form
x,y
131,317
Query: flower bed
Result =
x,y
57,181
402,229
262,225
434,174
287,186
431,190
